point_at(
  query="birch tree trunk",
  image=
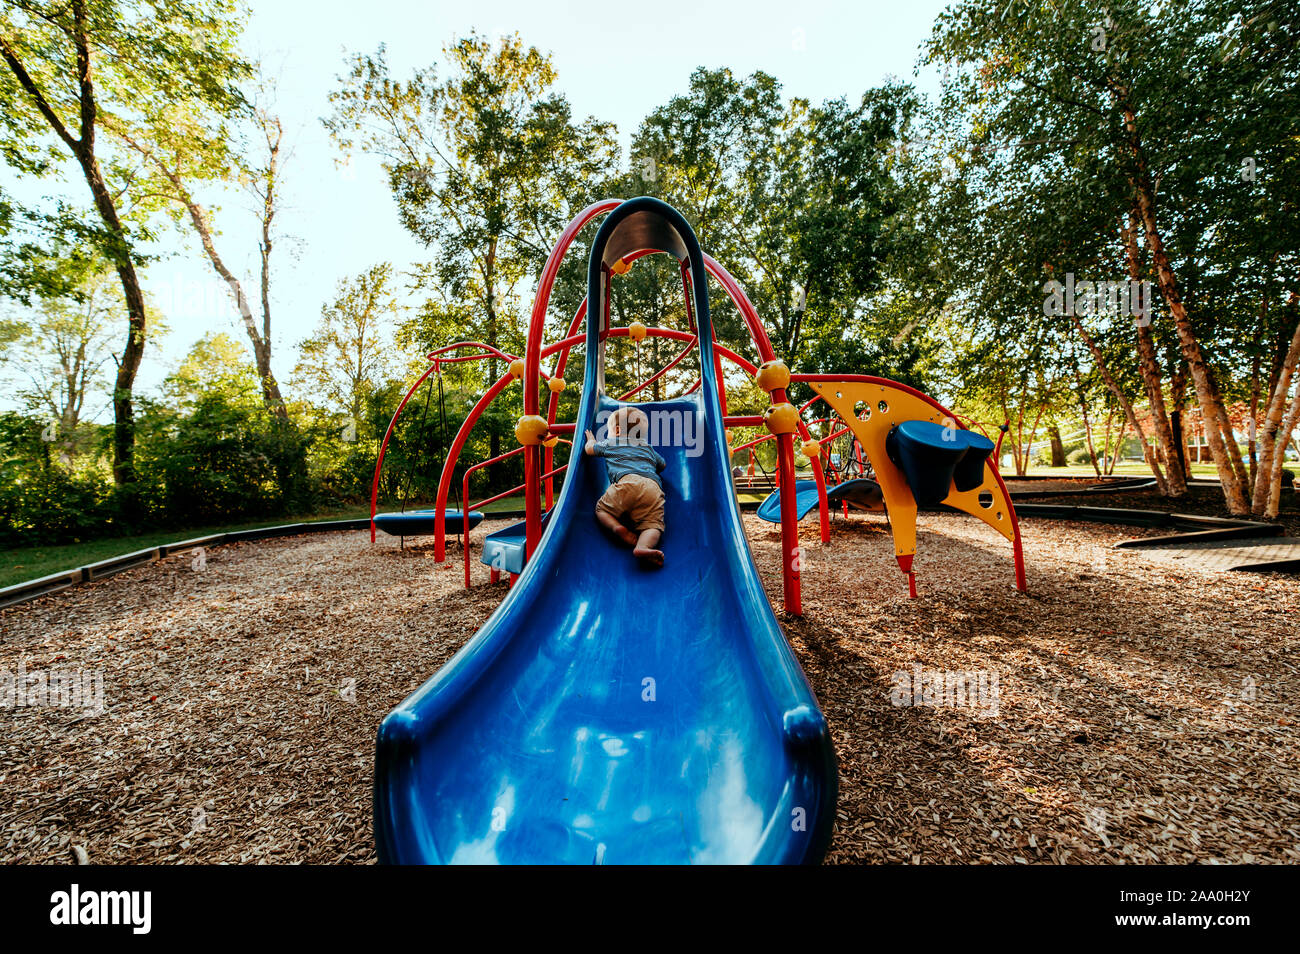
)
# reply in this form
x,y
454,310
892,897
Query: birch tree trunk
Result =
x,y
1216,418
1150,369
1083,410
1274,435
1161,483
260,340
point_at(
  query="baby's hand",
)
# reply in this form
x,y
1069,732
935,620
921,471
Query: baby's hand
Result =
x,y
591,438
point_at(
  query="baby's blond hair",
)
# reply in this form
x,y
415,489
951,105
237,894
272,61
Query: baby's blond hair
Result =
x,y
630,421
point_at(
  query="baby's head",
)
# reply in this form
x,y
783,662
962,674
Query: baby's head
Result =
x,y
630,422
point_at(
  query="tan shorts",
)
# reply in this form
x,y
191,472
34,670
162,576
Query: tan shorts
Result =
x,y
639,498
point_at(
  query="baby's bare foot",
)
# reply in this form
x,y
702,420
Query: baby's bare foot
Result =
x,y
649,557
626,535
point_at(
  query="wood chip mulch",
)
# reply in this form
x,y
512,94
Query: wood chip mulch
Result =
x,y
1142,713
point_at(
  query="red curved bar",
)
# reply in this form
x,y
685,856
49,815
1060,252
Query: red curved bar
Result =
x,y
383,446
533,357
444,483
458,444
553,404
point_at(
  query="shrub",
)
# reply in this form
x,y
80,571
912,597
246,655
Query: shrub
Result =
x,y
1078,457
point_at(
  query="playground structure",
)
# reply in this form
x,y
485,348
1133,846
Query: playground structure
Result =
x,y
868,407
574,729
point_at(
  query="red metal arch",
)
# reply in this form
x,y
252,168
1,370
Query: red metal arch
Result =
x,y
533,374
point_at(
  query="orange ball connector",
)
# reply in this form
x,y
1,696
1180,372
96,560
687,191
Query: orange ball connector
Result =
x,y
773,375
531,429
781,418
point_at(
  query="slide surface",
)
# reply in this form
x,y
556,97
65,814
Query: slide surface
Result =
x,y
609,714
805,499
860,493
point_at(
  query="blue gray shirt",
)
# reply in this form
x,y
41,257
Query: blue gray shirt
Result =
x,y
630,456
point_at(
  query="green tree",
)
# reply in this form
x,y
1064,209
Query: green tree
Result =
x,y
1121,136
347,357
214,363
791,197
62,352
189,145
72,66
486,166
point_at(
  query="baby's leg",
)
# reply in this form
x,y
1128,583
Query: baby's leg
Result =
x,y
645,549
615,526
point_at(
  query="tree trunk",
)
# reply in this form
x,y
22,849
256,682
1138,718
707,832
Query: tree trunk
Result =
x,y
1150,369
1119,447
1083,411
271,396
1211,406
1058,448
1124,403
1105,443
128,365
1274,437
1279,455
119,249
260,340
1177,417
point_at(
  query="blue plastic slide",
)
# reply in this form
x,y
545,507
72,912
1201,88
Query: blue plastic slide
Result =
x,y
608,713
413,523
861,493
503,549
805,499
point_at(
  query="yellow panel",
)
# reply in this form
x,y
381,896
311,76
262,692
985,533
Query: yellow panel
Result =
x,y
884,406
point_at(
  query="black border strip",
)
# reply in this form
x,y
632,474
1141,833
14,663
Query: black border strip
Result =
x,y
31,589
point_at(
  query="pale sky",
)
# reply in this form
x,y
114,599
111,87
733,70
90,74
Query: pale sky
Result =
x,y
614,61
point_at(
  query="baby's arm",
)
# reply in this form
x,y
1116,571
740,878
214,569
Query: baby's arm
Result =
x,y
590,449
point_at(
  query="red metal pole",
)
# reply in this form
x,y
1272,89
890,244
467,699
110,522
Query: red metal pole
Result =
x,y
383,447
533,359
790,555
444,484
1017,547
717,372
764,345
553,405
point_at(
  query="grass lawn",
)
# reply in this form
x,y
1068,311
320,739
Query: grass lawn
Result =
x,y
30,563
1122,469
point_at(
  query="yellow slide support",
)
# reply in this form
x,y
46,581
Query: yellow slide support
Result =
x,y
872,410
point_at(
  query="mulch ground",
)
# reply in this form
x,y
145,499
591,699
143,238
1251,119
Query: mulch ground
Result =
x,y
1142,713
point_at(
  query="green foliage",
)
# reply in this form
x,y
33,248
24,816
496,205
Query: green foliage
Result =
x,y
346,357
486,166
216,364
224,458
792,198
